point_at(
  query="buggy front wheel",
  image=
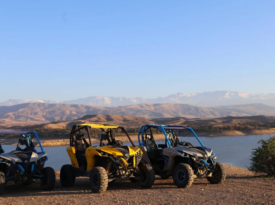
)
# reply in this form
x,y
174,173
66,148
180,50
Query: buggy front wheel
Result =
x,y
2,182
183,175
67,175
149,176
48,180
218,175
98,180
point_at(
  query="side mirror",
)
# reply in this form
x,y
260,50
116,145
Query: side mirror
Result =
x,y
1,149
119,143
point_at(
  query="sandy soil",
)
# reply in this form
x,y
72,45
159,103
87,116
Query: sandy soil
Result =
x,y
235,190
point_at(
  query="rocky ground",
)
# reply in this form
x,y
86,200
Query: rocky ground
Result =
x,y
241,187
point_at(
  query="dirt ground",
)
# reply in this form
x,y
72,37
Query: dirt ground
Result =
x,y
241,187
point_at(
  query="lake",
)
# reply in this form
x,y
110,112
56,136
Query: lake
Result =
x,y
233,150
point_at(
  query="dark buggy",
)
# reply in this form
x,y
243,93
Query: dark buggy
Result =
x,y
179,159
25,164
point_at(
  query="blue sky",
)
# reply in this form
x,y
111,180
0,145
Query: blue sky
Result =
x,y
62,50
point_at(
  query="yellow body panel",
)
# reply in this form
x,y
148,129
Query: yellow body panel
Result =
x,y
134,161
71,153
134,150
98,126
110,150
90,153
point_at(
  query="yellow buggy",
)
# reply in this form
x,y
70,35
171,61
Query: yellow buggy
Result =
x,y
107,161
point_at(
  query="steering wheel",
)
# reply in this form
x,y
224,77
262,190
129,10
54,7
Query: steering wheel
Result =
x,y
1,149
148,139
171,139
188,144
119,143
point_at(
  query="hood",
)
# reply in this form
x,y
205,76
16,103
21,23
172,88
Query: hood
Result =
x,y
11,157
19,156
110,150
195,151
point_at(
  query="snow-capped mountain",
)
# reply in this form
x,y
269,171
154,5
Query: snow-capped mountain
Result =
x,y
204,99
222,98
107,101
18,101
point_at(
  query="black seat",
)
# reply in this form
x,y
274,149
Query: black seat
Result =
x,y
29,146
153,150
80,148
162,146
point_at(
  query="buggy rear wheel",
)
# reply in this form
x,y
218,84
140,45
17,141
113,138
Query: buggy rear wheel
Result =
x,y
183,175
218,175
98,180
67,175
149,176
2,182
48,180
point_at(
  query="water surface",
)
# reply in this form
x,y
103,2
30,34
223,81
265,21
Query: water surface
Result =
x,y
233,150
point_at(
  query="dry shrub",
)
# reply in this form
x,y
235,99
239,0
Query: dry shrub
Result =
x,y
263,157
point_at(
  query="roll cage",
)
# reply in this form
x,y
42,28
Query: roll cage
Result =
x,y
24,133
146,130
108,130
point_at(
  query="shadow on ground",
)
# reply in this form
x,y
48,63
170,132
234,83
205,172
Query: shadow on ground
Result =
x,y
82,187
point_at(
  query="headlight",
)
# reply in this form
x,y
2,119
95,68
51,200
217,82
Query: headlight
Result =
x,y
100,152
214,157
3,160
103,153
138,153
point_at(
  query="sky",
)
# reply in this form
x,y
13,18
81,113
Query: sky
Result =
x,y
63,50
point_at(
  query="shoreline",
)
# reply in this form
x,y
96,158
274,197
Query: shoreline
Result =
x,y
236,133
51,142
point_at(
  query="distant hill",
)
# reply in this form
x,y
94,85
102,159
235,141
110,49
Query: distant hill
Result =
x,y
250,109
204,99
130,121
225,121
38,113
122,120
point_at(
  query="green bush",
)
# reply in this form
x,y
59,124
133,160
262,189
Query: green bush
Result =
x,y
263,157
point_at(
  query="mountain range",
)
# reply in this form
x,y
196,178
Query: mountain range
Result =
x,y
131,121
38,113
204,99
